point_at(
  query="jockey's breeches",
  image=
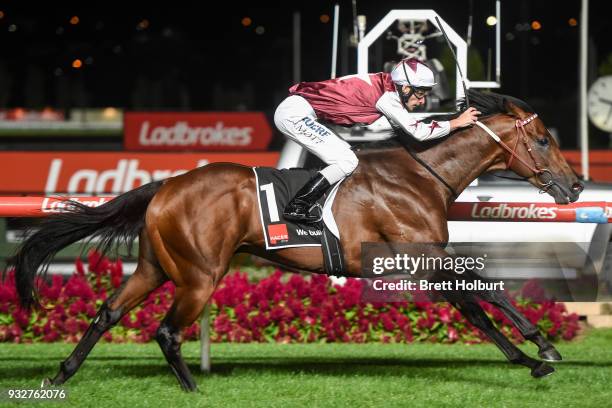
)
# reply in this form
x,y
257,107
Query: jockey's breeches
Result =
x,y
298,121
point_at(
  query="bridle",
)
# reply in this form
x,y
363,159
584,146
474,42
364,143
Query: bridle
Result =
x,y
521,135
536,168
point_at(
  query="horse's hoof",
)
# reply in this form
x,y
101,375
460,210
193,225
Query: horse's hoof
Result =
x,y
190,387
46,383
542,370
551,355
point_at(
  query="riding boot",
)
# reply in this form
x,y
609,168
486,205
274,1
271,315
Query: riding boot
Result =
x,y
300,205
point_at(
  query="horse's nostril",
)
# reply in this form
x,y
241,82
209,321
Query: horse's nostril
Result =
x,y
577,188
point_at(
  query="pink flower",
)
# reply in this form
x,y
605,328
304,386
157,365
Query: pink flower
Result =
x,y
300,310
222,324
387,322
408,333
242,312
143,318
424,323
80,269
79,288
51,337
532,290
71,326
444,314
79,306
90,310
453,335
21,318
277,314
116,273
53,291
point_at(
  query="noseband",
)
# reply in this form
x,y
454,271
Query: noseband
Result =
x,y
521,134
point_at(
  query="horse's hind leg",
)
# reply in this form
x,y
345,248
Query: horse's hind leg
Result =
x,y
195,228
195,269
188,304
147,277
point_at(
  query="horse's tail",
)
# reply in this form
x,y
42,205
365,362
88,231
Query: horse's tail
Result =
x,y
120,219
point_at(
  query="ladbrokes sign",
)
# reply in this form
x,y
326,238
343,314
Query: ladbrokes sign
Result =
x,y
71,172
211,131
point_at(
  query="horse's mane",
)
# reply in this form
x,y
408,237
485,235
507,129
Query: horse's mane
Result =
x,y
488,103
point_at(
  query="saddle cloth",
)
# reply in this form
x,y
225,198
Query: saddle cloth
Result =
x,y
275,188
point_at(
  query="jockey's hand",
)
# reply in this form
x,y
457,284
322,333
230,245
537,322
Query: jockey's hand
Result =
x,y
467,118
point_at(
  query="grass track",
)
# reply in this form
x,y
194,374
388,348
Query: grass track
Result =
x,y
338,375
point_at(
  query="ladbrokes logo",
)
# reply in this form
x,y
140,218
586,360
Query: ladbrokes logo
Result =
x,y
516,211
196,131
182,134
126,176
52,205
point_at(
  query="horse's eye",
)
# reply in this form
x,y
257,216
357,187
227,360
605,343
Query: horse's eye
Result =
x,y
543,141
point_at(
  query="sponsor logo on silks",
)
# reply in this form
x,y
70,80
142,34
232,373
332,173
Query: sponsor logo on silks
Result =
x,y
311,129
591,215
503,211
315,127
278,233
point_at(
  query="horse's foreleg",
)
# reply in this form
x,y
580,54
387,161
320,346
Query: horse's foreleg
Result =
x,y
145,279
546,350
188,305
475,314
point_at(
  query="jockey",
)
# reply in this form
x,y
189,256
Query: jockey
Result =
x,y
349,100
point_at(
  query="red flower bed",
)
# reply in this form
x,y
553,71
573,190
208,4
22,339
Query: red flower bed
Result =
x,y
280,308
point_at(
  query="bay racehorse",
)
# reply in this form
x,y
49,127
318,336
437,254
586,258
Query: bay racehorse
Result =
x,y
190,226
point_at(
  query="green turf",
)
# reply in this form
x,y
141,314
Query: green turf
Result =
x,y
335,375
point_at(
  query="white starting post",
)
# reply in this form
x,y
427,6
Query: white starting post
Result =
x,y
430,16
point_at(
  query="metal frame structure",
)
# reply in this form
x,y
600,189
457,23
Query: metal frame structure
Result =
x,y
430,15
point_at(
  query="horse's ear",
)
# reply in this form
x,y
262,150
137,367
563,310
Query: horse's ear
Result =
x,y
513,109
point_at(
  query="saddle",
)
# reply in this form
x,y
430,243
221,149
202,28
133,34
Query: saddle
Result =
x,y
274,190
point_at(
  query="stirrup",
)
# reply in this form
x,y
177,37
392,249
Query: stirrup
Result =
x,y
320,217
305,219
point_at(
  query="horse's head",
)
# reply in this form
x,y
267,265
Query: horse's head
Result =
x,y
532,152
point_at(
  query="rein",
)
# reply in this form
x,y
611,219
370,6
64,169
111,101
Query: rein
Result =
x,y
429,169
520,124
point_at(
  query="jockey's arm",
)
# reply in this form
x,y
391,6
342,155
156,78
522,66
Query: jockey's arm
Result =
x,y
390,105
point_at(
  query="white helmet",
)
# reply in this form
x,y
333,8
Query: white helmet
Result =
x,y
419,74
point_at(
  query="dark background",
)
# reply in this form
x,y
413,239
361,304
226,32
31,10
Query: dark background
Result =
x,y
198,56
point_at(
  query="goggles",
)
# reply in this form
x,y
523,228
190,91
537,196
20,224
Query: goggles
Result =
x,y
420,92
